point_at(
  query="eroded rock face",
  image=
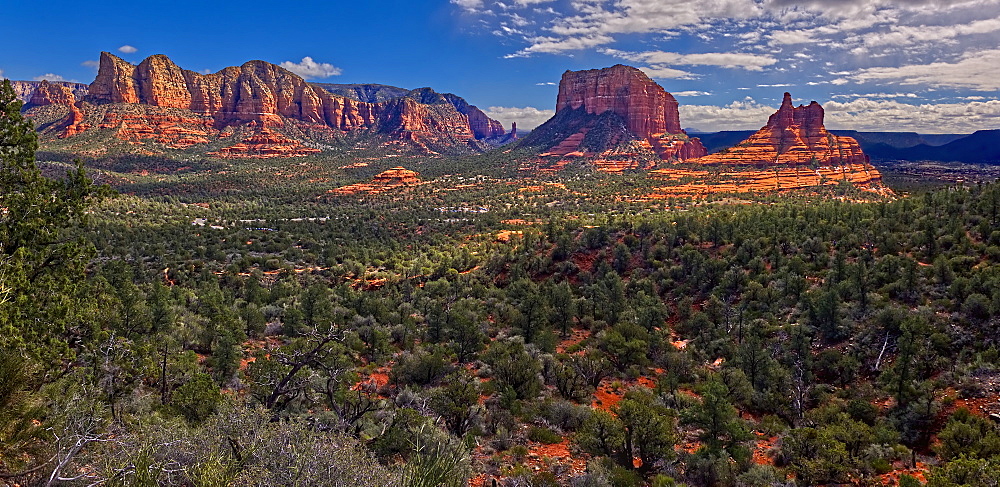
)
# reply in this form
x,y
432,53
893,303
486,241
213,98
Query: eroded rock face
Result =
x,y
46,94
267,95
644,105
603,113
26,89
50,94
792,136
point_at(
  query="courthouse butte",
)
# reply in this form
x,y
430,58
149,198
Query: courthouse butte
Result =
x,y
617,118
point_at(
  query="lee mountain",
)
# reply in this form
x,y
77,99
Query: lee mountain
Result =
x,y
257,109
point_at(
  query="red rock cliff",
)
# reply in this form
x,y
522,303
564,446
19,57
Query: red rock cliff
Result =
x,y
266,94
644,105
50,94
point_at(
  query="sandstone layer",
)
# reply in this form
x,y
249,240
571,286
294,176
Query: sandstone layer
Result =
x,y
784,178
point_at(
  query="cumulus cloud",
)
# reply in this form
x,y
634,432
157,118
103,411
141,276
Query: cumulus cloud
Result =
x,y
748,61
526,118
663,72
975,70
905,35
877,115
310,69
127,49
690,93
744,114
90,63
553,45
50,77
876,95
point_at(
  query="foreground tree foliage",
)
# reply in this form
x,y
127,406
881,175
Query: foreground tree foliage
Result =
x,y
227,327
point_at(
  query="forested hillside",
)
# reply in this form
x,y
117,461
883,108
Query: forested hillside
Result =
x,y
258,335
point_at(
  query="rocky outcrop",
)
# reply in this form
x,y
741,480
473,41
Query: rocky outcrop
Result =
x,y
792,136
50,94
265,143
46,94
482,127
397,175
599,111
388,180
26,89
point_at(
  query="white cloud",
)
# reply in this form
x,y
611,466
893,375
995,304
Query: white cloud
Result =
x,y
1,74
663,72
471,5
690,93
525,3
878,115
738,115
791,37
127,49
975,70
748,61
552,45
777,85
527,117
90,63
876,95
864,114
310,69
50,77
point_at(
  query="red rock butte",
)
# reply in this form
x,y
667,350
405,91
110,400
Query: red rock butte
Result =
x,y
793,151
644,105
792,136
617,115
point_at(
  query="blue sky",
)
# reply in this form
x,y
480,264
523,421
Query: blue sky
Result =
x,y
930,66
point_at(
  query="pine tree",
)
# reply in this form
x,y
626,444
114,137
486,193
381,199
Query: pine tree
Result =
x,y
41,259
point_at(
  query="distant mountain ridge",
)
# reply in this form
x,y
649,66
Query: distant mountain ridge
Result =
x,y
981,147
271,111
